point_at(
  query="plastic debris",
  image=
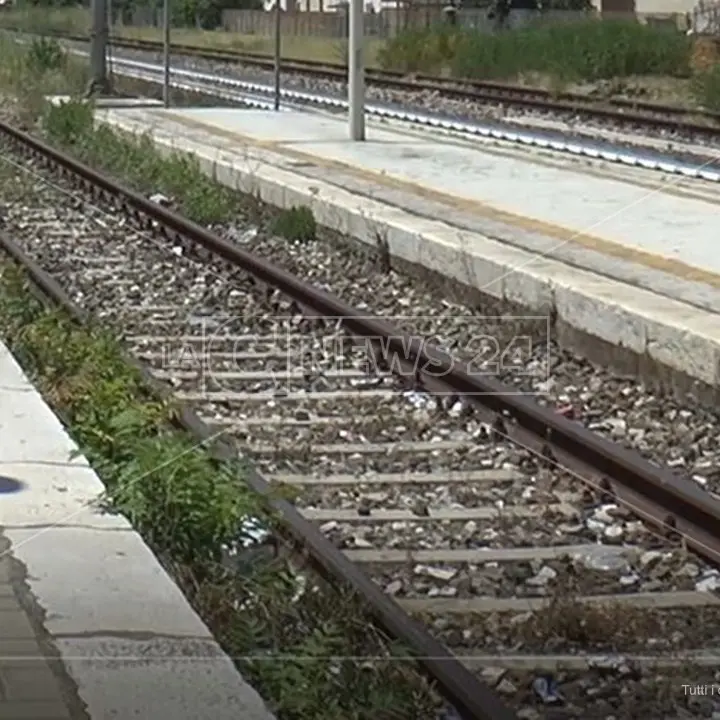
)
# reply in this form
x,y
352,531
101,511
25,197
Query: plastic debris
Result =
x,y
547,690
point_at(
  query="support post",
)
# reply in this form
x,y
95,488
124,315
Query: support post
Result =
x,y
278,51
356,71
98,49
166,53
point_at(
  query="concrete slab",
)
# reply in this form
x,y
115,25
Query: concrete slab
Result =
x,y
11,375
127,642
118,587
488,219
125,678
29,431
57,495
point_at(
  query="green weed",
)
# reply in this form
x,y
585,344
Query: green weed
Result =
x,y
45,54
706,88
70,122
426,50
27,76
70,126
297,223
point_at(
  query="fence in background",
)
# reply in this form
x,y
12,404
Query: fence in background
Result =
x,y
388,22
384,24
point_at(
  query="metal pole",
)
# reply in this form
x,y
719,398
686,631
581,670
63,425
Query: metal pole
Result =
x,y
356,71
166,53
98,48
278,27
110,36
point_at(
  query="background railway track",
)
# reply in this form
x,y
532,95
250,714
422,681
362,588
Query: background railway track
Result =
x,y
498,546
638,114
686,155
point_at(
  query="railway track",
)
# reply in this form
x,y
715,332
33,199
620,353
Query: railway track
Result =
x,y
691,161
638,114
545,557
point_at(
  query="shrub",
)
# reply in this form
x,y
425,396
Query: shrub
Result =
x,y
69,122
45,54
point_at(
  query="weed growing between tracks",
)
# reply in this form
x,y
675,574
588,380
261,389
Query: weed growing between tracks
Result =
x,y
297,223
70,126
28,74
138,163
302,643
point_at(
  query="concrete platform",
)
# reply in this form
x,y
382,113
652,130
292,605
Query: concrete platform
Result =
x,y
616,253
91,626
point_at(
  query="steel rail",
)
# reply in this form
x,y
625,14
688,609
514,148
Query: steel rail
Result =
x,y
625,110
672,502
472,698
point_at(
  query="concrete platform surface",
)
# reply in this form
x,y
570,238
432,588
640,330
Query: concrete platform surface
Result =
x,y
648,217
615,253
91,626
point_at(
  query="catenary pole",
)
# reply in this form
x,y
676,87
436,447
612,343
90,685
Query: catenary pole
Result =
x,y
98,49
166,53
356,71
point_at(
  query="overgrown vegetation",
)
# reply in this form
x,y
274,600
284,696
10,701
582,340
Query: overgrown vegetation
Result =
x,y
651,58
297,223
585,50
71,126
188,507
706,86
551,53
72,16
187,28
46,54
172,493
178,176
309,649
28,75
559,54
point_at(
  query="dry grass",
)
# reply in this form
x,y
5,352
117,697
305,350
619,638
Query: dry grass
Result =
x,y
77,21
293,47
567,619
